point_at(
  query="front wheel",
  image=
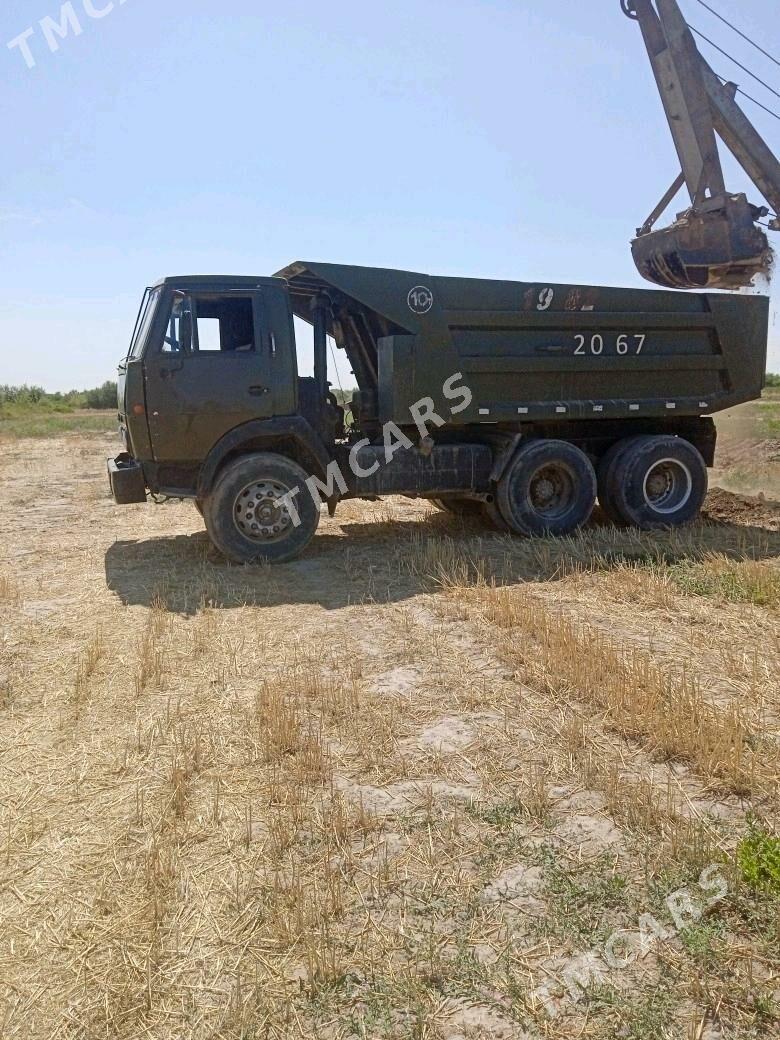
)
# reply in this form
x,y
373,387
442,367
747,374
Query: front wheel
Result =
x,y
549,489
260,510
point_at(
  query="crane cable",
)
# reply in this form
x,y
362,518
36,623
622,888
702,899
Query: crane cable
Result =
x,y
629,10
739,32
753,43
723,79
738,63
771,111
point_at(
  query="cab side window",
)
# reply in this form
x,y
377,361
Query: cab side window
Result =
x,y
225,324
210,324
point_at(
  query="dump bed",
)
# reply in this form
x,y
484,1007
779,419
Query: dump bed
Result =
x,y
539,351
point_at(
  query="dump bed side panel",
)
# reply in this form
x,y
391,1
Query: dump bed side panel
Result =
x,y
608,353
541,352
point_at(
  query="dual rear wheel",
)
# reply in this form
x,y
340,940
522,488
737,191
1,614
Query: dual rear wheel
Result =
x,y
652,482
550,488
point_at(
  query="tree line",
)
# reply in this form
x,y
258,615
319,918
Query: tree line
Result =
x,y
35,397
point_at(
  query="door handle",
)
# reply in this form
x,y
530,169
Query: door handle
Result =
x,y
258,391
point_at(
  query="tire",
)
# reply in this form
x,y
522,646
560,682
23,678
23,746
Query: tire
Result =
x,y
605,474
549,489
458,506
199,506
245,518
658,482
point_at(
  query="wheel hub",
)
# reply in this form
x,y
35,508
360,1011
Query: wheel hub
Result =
x,y
668,486
544,492
551,491
658,484
260,512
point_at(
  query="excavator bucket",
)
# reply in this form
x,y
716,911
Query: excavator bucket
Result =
x,y
720,248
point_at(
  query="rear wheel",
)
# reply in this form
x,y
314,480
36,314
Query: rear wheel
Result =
x,y
658,482
549,489
605,474
261,511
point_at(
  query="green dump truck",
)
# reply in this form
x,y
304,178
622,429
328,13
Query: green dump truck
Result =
x,y
523,403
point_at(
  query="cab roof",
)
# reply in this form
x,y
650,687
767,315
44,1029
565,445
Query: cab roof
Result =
x,y
215,281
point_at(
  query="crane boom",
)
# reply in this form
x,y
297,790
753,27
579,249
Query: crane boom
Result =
x,y
715,243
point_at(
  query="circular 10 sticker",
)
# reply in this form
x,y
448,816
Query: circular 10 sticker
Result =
x,y
420,299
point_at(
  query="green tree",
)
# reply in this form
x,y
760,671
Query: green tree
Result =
x,y
102,396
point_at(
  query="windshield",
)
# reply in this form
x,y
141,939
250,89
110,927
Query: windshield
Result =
x,y
143,321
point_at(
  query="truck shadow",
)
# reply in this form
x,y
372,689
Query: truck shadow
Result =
x,y
394,559
188,574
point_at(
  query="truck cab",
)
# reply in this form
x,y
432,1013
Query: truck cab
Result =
x,y
208,356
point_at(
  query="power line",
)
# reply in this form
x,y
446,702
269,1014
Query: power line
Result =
x,y
744,94
739,32
738,63
769,110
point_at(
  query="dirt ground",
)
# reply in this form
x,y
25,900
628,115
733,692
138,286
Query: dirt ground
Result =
x,y
748,460
413,784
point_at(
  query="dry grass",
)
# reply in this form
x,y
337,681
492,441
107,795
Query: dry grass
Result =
x,y
9,591
149,655
384,792
663,707
86,665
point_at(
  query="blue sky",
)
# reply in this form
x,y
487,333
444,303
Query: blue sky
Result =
x,y
508,139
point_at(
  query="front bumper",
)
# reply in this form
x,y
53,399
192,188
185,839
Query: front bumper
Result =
x,y
126,479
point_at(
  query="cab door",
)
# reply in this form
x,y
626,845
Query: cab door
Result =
x,y
210,372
